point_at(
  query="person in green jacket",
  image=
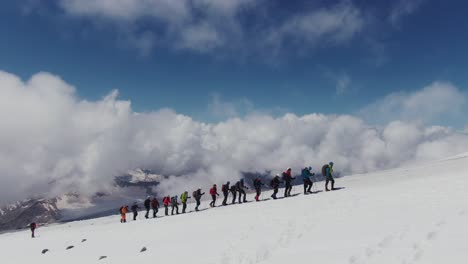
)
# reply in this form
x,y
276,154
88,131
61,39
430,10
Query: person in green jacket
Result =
x,y
183,198
327,172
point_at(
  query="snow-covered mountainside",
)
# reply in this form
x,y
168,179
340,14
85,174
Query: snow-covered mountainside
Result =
x,y
406,215
20,214
72,206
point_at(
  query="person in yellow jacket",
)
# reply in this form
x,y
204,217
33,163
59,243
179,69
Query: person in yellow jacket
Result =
x,y
183,198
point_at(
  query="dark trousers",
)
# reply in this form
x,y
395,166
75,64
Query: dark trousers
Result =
x,y
242,192
184,207
307,186
329,179
135,214
32,232
198,203
155,211
213,202
166,210
287,189
147,212
275,192
174,206
259,191
234,195
226,194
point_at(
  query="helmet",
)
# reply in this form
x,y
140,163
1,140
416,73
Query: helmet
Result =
x,y
331,163
288,169
277,175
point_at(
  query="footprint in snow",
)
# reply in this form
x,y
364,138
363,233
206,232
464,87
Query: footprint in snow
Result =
x,y
418,252
102,257
45,251
70,247
83,240
143,249
353,260
431,235
369,252
387,241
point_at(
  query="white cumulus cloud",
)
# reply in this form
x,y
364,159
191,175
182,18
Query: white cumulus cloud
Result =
x,y
434,102
53,142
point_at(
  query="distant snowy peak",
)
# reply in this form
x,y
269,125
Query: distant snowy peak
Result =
x,y
45,211
140,175
21,214
140,178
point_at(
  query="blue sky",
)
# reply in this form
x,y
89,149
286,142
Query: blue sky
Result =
x,y
273,56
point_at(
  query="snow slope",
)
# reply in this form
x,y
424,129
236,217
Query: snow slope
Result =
x,y
408,215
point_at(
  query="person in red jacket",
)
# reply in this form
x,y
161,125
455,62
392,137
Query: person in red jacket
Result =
x,y
155,206
213,193
166,202
33,227
288,178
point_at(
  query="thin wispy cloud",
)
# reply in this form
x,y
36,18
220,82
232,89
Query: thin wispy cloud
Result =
x,y
401,9
211,26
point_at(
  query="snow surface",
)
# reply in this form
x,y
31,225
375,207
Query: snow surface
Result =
x,y
410,215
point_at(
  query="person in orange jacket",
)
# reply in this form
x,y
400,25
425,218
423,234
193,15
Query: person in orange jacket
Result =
x,y
123,214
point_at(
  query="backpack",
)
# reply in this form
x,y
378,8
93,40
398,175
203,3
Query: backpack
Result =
x,y
256,183
120,210
223,188
324,169
194,194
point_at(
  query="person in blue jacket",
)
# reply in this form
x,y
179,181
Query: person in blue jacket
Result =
x,y
306,174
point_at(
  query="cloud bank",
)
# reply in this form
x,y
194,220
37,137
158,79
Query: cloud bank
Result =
x,y
53,142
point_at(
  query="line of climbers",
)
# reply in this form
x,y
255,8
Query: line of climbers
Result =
x,y
237,191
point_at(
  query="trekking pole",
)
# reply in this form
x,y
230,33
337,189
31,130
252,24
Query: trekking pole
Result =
x,y
314,188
